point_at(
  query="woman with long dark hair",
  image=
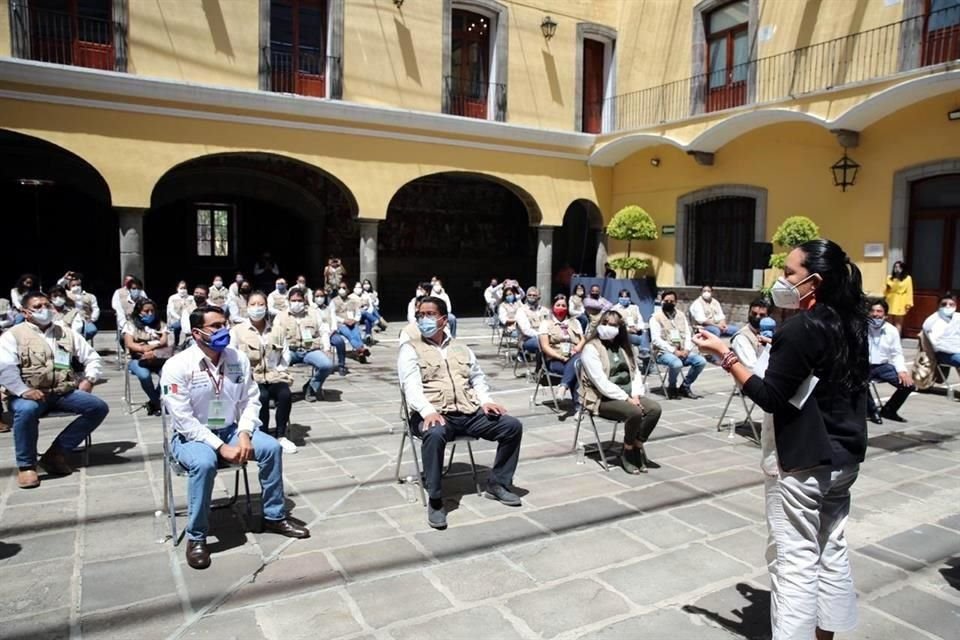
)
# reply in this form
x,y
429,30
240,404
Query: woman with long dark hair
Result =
x,y
815,388
899,294
149,344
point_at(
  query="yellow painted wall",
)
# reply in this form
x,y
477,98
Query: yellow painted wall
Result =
x,y
5,44
792,161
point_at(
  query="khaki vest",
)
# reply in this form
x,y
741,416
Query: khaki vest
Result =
x,y
446,382
36,358
126,301
333,277
69,313
573,335
292,328
178,305
631,315
84,303
512,308
241,304
342,308
278,300
218,297
412,331
536,316
747,332
592,397
709,311
249,342
679,322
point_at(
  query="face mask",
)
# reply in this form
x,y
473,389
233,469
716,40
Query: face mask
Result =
x,y
200,300
428,326
366,287
560,313
42,317
357,290
218,283
786,295
256,313
420,293
148,319
707,296
296,307
595,296
876,323
239,279
343,293
533,302
754,322
947,312
244,291
77,289
281,288
135,293
767,325
668,307
606,332
58,302
624,302
219,340
511,298
302,285
182,292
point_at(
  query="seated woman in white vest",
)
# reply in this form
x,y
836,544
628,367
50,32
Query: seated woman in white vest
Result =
x,y
125,297
633,320
371,308
576,308
308,340
439,292
149,344
707,312
269,358
613,388
219,293
237,304
561,340
85,302
529,318
507,313
179,306
25,284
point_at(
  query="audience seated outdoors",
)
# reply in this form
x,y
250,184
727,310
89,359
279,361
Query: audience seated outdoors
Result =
x,y
561,341
942,329
887,364
218,294
84,302
125,297
492,296
346,311
63,309
149,344
277,299
237,303
179,305
307,340
673,347
707,313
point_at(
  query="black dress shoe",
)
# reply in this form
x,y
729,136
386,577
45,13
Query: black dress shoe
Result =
x,y
892,415
501,494
687,392
286,528
198,557
672,393
875,417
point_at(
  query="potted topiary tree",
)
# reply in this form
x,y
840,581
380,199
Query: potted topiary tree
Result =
x,y
794,231
631,223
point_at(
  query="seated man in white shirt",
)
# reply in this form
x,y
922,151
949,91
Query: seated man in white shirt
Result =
x,y
124,298
492,296
749,341
707,312
529,318
214,406
886,364
447,395
943,331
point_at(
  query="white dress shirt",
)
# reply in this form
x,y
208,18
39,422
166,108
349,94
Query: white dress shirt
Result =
x,y
443,296
523,320
412,310
698,311
745,350
10,357
885,347
118,308
15,299
593,367
189,381
492,295
659,342
944,336
408,370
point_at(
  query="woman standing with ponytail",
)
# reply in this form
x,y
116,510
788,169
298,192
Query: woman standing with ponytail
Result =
x,y
815,387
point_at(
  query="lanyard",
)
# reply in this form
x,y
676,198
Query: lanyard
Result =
x,y
217,384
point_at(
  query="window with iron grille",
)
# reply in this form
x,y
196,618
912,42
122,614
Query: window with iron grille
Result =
x,y
213,230
720,232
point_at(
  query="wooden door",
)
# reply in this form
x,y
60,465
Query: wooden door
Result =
x,y
470,64
941,42
593,63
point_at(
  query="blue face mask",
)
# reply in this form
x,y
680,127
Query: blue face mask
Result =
x,y
767,325
148,319
876,323
624,302
428,326
219,340
511,298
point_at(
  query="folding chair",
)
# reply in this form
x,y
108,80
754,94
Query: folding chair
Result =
x,y
128,408
87,442
414,437
736,392
652,365
171,467
596,434
875,392
545,378
523,356
508,341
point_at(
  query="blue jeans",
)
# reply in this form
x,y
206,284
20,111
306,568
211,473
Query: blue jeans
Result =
x,y
340,346
568,374
640,340
322,366
369,319
675,364
200,461
531,345
89,330
352,334
583,320
144,375
452,321
175,327
948,359
26,422
715,330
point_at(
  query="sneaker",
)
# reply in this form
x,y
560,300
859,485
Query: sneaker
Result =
x,y
500,493
287,446
436,516
672,393
308,395
687,392
342,370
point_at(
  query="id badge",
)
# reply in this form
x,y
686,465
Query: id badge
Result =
x,y
61,359
565,348
216,414
307,336
675,336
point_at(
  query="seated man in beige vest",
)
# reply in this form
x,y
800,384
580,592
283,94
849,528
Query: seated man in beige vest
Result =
x,y
36,368
447,395
749,342
673,345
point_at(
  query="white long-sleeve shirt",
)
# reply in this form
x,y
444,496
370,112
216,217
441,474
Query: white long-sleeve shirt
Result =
x,y
15,299
118,308
524,323
81,300
885,347
944,336
662,342
443,296
189,380
412,310
408,370
700,313
745,350
593,367
492,295
10,357
632,316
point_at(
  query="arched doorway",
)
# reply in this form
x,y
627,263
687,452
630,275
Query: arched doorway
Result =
x,y
576,243
218,214
464,228
59,217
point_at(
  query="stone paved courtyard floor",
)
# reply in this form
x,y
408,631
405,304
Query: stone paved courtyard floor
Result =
x,y
676,553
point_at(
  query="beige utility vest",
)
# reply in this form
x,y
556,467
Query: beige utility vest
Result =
x,y
512,308
536,316
302,333
84,304
257,347
709,310
241,303
37,359
631,315
747,332
278,301
591,396
66,316
349,308
667,326
412,331
218,297
446,381
557,335
126,301
180,304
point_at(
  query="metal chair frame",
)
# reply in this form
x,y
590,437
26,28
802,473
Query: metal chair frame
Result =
x,y
408,434
736,392
508,342
542,373
87,442
171,467
601,452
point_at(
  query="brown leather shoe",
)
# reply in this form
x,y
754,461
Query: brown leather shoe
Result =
x,y
28,479
286,528
198,557
55,463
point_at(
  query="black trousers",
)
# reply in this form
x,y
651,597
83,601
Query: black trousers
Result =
x,y
505,430
638,422
280,392
888,373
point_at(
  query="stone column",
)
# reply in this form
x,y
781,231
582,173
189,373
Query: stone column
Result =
x,y
368,250
545,262
130,221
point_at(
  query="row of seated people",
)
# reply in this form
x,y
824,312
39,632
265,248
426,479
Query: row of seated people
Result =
x,y
71,296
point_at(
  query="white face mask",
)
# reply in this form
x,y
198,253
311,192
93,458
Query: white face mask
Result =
x,y
357,290
437,288
947,312
707,296
366,287
76,289
218,283
42,317
58,302
607,332
182,292
256,313
786,295
296,307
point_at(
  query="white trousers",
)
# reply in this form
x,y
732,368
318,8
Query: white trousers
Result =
x,y
810,580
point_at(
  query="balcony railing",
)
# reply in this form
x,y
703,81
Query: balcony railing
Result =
x,y
65,38
301,72
868,55
473,99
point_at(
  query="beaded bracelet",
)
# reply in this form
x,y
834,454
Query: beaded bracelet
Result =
x,y
729,359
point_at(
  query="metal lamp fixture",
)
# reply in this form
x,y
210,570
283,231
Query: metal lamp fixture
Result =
x,y
954,115
548,27
845,171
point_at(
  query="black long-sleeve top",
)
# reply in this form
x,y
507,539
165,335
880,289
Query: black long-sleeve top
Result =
x,y
831,428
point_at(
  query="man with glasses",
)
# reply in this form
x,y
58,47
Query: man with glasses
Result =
x,y
943,331
37,368
447,395
214,405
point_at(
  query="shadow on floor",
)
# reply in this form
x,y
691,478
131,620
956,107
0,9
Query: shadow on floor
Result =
x,y
751,621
